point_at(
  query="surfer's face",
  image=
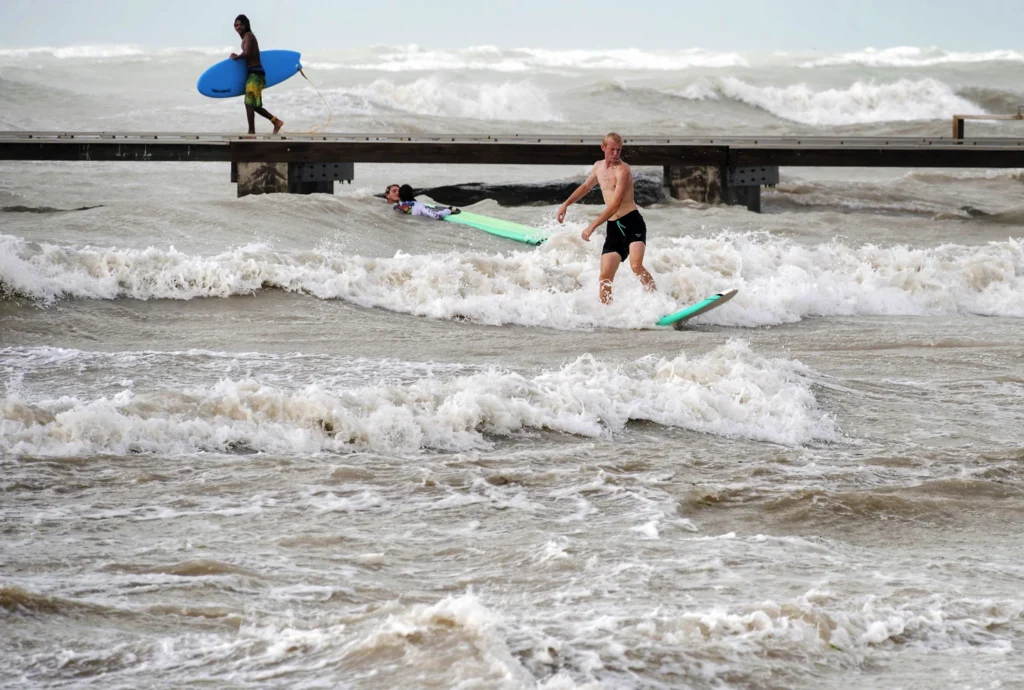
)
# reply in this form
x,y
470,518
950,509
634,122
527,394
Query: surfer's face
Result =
x,y
612,150
239,27
391,194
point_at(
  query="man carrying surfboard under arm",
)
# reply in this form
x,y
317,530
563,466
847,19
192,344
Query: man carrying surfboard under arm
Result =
x,y
626,232
256,78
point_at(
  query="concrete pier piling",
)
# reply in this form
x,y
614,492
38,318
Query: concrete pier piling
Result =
x,y
700,183
289,178
709,184
261,178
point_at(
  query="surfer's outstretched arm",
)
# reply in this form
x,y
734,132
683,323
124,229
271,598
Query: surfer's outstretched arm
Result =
x,y
580,192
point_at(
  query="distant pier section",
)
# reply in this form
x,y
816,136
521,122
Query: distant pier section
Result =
x,y
708,169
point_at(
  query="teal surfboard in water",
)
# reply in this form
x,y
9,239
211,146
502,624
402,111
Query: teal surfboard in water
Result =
x,y
226,79
501,228
677,319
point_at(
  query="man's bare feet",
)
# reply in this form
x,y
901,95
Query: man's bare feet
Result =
x,y
278,124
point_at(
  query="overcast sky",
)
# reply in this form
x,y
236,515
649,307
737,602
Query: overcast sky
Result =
x,y
732,25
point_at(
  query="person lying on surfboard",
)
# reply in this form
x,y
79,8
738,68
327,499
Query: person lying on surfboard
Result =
x,y
256,78
626,232
405,201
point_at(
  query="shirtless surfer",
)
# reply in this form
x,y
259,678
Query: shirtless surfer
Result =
x,y
255,77
626,232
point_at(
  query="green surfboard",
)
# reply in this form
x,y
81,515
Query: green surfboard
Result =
x,y
677,319
501,228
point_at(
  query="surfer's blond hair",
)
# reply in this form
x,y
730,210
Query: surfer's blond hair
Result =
x,y
614,136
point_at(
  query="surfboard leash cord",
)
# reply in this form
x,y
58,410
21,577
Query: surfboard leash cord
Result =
x,y
330,113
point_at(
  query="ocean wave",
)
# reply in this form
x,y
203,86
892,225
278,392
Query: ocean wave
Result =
x,y
908,56
435,97
863,102
17,600
997,101
412,57
633,59
825,626
730,391
779,280
903,196
109,52
796,193
421,634
45,209
46,366
933,176
610,648
415,58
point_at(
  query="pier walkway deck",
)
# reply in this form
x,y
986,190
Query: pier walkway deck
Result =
x,y
711,169
513,149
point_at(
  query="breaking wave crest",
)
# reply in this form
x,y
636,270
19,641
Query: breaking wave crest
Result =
x,y
731,391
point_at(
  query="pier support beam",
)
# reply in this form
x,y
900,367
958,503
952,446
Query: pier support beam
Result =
x,y
708,184
289,178
260,178
701,183
743,196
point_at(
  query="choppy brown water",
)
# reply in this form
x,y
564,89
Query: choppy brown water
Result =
x,y
298,441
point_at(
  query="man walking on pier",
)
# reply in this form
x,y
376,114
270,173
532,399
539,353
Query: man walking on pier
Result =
x,y
256,78
626,232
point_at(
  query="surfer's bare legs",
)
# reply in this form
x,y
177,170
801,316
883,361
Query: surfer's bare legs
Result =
x,y
609,265
250,114
636,262
278,124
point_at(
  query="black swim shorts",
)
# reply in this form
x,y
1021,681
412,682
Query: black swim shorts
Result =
x,y
621,233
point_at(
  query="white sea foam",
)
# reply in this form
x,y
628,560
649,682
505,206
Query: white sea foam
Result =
x,y
940,175
633,59
415,58
46,366
863,102
406,58
393,88
819,624
109,52
908,56
458,639
780,281
437,97
76,52
729,391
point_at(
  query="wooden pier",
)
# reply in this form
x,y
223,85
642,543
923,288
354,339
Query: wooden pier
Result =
x,y
707,168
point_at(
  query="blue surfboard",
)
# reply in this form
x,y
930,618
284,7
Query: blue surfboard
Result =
x,y
227,78
676,319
